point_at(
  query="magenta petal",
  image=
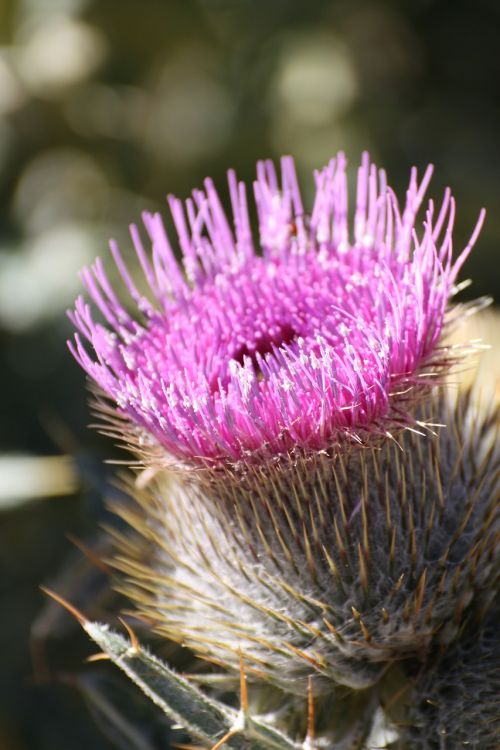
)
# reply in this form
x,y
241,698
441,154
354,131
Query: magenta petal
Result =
x,y
242,351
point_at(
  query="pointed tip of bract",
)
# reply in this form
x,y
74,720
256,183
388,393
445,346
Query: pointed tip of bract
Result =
x,y
81,619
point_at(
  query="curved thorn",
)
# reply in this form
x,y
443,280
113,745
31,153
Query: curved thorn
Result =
x,y
89,554
134,641
67,606
101,656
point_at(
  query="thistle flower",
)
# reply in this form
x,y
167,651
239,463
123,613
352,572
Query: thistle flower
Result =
x,y
297,534
312,338
328,566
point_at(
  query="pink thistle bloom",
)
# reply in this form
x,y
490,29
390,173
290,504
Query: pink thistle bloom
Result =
x,y
315,335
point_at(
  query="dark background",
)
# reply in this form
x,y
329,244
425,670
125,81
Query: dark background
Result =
x,y
105,107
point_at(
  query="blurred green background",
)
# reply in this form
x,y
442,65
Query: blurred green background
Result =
x,y
107,105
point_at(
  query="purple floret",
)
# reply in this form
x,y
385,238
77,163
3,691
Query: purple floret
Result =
x,y
308,338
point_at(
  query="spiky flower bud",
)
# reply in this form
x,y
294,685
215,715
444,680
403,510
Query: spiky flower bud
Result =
x,y
331,565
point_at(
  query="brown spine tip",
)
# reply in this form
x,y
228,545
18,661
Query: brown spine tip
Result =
x,y
365,631
79,616
243,686
89,554
101,656
134,641
333,630
309,741
363,571
229,735
316,663
419,595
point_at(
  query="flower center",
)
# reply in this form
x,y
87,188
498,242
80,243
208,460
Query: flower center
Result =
x,y
266,344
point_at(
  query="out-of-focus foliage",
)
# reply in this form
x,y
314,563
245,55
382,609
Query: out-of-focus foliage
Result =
x,y
106,105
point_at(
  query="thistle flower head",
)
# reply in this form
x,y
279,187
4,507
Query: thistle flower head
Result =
x,y
312,335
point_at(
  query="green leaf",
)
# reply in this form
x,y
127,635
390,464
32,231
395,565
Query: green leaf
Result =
x,y
205,718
